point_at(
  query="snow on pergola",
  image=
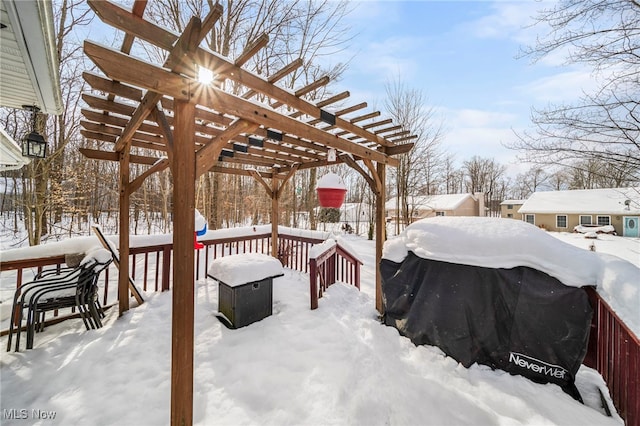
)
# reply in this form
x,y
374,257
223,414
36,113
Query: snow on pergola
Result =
x,y
174,121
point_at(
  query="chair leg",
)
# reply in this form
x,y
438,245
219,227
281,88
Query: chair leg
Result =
x,y
19,331
95,314
31,326
40,321
12,320
100,309
82,310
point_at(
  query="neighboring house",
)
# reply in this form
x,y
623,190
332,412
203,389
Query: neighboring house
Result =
x,y
439,205
355,212
29,72
509,209
561,211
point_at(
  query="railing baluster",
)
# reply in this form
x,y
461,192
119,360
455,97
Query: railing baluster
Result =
x,y
146,269
157,269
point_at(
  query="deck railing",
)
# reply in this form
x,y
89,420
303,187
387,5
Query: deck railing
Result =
x,y
150,266
333,263
614,350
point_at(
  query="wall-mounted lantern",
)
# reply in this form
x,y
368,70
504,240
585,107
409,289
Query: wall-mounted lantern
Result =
x,y
33,144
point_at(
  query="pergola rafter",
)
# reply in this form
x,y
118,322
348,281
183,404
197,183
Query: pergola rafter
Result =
x,y
260,130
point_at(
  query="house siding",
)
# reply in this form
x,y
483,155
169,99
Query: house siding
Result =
x,y
548,221
614,203
504,211
468,207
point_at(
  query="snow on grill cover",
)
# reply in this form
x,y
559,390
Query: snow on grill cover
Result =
x,y
497,292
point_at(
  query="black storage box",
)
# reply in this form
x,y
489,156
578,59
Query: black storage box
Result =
x,y
246,303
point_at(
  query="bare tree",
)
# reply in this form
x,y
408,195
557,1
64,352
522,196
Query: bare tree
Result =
x,y
558,180
531,180
484,176
417,168
605,124
307,30
592,173
453,177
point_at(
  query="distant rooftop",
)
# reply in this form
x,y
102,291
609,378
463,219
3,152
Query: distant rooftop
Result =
x,y
505,202
587,201
433,202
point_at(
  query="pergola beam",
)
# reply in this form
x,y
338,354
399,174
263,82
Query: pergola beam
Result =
x,y
121,67
252,49
97,154
118,17
182,48
277,76
207,156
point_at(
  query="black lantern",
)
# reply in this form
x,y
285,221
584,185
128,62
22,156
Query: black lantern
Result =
x,y
33,144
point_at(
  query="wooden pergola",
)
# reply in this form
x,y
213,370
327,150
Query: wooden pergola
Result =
x,y
191,128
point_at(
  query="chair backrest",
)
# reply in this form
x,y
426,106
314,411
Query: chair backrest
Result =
x,y
89,274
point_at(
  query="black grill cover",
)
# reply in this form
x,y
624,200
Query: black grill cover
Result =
x,y
520,320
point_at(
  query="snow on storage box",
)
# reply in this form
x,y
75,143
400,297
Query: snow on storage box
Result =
x,y
491,291
245,286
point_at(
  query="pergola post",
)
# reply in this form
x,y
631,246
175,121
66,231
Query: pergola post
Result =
x,y
182,327
275,215
381,227
270,142
123,276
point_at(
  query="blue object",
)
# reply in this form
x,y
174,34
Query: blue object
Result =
x,y
202,231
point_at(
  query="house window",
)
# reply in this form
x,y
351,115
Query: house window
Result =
x,y
439,213
585,220
509,215
530,218
509,206
561,221
604,220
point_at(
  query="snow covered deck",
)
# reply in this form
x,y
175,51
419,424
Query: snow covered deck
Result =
x,y
346,316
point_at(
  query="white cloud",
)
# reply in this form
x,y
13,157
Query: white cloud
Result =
x,y
479,118
389,58
509,20
563,87
486,142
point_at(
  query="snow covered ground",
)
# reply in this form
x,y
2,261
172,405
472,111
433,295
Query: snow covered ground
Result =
x,y
333,365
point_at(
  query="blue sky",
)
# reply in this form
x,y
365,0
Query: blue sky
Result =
x,y
463,56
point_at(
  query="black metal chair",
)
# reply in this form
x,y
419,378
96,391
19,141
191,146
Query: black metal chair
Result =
x,y
52,290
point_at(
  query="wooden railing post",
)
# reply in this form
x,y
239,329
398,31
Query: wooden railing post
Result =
x,y
166,267
591,358
313,283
